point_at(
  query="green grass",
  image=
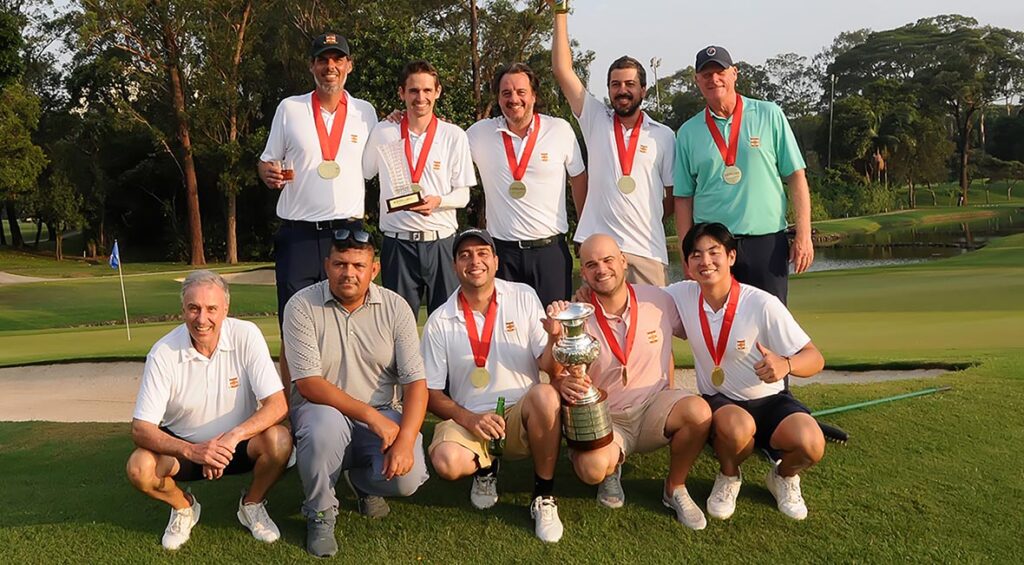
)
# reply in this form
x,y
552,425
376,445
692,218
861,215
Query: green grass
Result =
x,y
930,479
30,264
935,479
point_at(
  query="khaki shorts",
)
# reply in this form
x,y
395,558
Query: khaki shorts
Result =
x,y
644,270
642,428
517,443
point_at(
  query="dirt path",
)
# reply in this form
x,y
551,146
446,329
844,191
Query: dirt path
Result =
x,y
105,392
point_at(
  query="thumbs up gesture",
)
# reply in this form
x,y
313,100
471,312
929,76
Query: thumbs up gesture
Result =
x,y
772,367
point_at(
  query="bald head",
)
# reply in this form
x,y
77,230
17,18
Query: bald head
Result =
x,y
602,264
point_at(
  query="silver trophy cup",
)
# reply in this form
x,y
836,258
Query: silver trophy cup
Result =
x,y
586,424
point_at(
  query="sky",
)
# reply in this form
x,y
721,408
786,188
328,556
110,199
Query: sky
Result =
x,y
675,30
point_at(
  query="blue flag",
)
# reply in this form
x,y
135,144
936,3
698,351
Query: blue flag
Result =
x,y
115,257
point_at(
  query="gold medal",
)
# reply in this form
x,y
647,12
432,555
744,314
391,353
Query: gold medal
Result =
x,y
328,170
626,184
480,377
717,376
732,174
415,187
517,189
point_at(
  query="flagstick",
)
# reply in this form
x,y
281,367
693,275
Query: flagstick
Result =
x,y
124,300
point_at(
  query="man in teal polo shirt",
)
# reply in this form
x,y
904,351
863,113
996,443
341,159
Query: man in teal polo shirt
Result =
x,y
731,161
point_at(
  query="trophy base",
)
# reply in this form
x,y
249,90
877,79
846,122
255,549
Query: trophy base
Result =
x,y
587,427
404,202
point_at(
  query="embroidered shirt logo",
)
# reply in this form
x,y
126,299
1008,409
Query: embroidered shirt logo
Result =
x,y
233,382
437,165
755,141
354,138
652,336
510,327
741,345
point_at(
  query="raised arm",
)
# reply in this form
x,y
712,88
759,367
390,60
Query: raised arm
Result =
x,y
561,62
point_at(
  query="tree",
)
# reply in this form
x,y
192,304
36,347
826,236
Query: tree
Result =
x,y
954,66
795,85
59,205
153,34
23,160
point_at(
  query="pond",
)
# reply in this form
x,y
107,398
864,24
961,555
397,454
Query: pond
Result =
x,y
904,245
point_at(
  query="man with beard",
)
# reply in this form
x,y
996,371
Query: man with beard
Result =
x,y
634,325
731,160
489,342
320,138
360,395
523,157
426,156
630,159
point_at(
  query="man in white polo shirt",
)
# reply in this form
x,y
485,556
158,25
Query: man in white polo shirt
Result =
x,y
745,342
314,157
523,157
425,171
485,343
197,417
630,159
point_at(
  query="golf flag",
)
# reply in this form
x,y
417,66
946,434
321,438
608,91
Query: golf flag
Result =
x,y
115,263
115,257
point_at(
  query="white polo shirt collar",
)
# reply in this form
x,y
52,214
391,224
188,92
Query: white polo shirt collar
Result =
x,y
189,351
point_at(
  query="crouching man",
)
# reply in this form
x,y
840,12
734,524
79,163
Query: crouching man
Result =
x,y
745,342
208,406
489,342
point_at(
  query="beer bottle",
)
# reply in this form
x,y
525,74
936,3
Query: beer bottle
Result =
x,y
497,446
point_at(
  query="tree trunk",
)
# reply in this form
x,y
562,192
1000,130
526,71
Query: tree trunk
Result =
x,y
58,249
964,146
236,60
195,226
232,240
474,40
911,200
3,236
39,233
17,240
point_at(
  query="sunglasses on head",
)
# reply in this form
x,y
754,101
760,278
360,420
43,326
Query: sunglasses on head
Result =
x,y
345,233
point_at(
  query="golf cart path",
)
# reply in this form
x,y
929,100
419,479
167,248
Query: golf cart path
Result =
x,y
105,392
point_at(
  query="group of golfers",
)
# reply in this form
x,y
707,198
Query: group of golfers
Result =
x,y
357,378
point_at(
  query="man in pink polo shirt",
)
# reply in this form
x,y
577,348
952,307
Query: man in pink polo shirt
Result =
x,y
634,325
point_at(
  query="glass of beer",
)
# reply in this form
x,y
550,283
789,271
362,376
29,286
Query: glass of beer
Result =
x,y
287,170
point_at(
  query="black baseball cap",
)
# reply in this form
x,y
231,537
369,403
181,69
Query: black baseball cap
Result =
x,y
482,235
329,41
712,54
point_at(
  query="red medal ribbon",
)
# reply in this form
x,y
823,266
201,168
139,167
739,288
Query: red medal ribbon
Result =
x,y
421,163
717,350
627,153
519,169
329,144
613,344
481,346
728,152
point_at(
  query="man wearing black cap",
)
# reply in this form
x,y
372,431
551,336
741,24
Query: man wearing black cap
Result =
x,y
314,157
486,344
630,160
731,161
360,395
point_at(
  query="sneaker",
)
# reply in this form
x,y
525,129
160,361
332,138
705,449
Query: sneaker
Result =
x,y
369,505
179,527
484,493
609,492
786,491
687,511
544,512
254,516
722,502
320,540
